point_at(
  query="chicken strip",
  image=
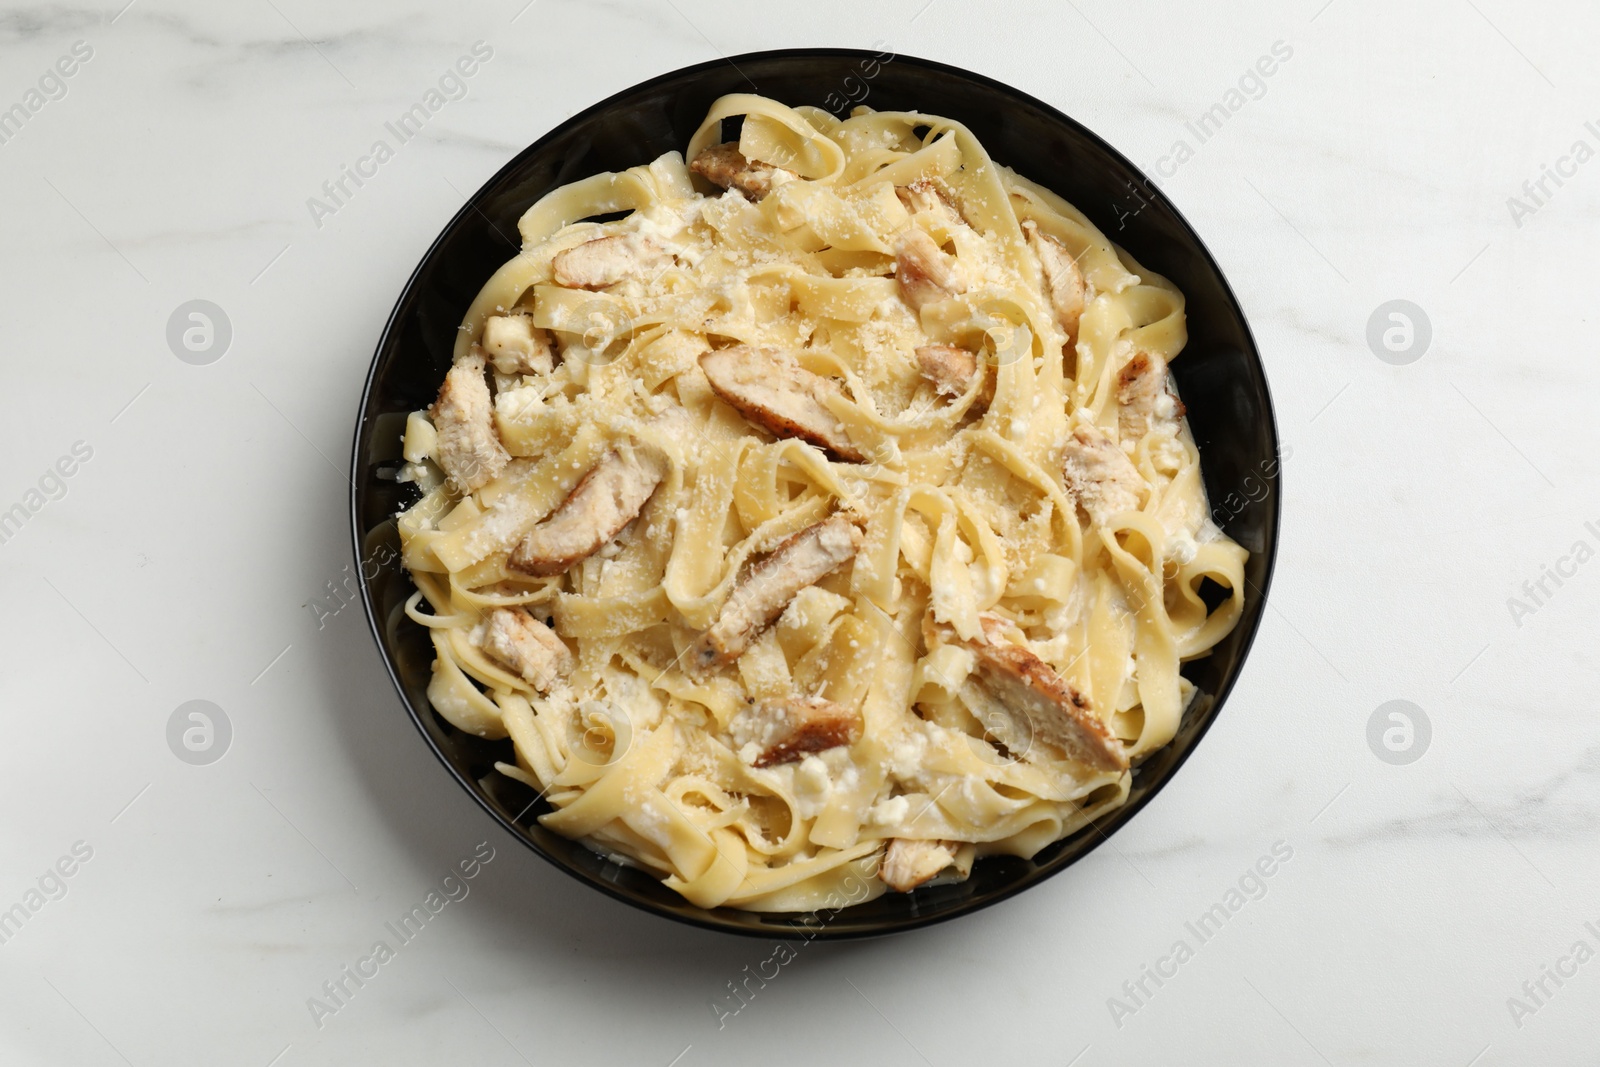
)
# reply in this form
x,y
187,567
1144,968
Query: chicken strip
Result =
x,y
516,346
469,448
1146,396
949,368
758,599
605,261
1099,474
773,391
724,165
1062,279
925,273
1024,699
931,195
907,863
525,645
789,729
605,500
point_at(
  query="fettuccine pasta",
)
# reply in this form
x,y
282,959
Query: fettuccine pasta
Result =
x,y
815,511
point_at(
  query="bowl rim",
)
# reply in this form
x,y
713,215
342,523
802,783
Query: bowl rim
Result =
x,y
708,919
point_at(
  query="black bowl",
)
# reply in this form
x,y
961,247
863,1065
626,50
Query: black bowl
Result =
x,y
1219,375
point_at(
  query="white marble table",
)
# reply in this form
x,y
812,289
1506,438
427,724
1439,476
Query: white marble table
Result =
x,y
204,513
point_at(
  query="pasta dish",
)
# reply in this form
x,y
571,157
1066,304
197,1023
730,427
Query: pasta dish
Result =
x,y
815,505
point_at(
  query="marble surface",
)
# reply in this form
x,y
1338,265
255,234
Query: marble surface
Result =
x,y
204,517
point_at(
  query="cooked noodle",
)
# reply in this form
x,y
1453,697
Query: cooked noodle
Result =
x,y
988,530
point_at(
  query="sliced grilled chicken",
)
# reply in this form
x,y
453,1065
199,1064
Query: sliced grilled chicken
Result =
x,y
949,368
1062,279
931,195
1146,396
1099,474
468,448
516,346
924,272
791,728
605,261
770,389
724,165
525,645
1011,683
760,597
605,500
907,863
